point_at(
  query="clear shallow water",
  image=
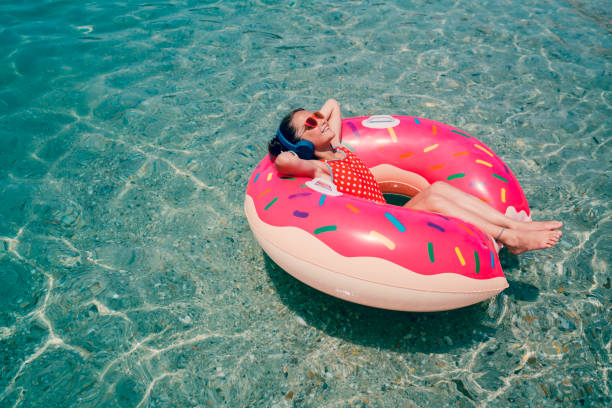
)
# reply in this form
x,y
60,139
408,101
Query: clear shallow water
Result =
x,y
129,277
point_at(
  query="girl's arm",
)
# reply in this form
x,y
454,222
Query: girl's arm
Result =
x,y
333,115
289,164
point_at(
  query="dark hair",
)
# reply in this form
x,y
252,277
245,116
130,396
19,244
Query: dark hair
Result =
x,y
274,145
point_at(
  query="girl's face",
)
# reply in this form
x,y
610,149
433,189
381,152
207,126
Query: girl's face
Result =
x,y
320,136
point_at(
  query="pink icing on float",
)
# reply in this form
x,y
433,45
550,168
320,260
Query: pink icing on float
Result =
x,y
382,255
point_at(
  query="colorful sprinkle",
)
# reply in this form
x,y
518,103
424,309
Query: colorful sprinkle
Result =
x,y
348,146
455,176
256,177
484,162
300,214
483,199
270,203
438,167
264,193
322,199
466,228
506,168
484,150
352,208
287,178
497,176
353,129
460,256
477,260
430,252
434,129
326,228
430,148
462,134
503,195
492,260
440,215
392,134
436,226
292,196
460,154
405,155
416,120
269,176
395,222
384,240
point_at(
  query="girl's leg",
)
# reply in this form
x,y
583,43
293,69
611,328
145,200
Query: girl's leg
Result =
x,y
475,205
516,240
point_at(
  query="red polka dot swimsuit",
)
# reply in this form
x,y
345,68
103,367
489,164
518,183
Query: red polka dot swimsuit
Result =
x,y
351,176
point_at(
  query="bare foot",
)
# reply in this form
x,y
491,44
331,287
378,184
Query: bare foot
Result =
x,y
519,241
538,225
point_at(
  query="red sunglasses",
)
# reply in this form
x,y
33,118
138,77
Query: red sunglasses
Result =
x,y
311,121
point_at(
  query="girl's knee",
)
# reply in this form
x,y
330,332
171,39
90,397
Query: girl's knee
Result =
x,y
439,187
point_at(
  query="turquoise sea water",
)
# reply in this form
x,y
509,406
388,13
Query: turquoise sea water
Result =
x,y
129,276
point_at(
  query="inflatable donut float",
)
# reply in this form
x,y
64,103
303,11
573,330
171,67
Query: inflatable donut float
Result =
x,y
383,255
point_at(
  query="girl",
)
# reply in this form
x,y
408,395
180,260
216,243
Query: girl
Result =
x,y
307,144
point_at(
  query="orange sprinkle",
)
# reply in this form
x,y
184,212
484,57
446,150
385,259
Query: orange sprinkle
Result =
x,y
430,148
503,195
484,150
466,228
438,167
264,193
484,162
405,155
352,208
460,154
392,134
483,199
434,129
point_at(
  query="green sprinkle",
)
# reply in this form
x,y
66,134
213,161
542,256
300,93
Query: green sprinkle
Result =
x,y
462,134
477,261
270,203
348,146
303,185
500,177
287,178
455,176
325,229
430,251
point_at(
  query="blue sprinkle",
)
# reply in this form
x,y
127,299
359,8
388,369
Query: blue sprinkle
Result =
x,y
322,199
354,129
416,120
436,226
299,195
492,260
395,222
300,214
256,177
440,215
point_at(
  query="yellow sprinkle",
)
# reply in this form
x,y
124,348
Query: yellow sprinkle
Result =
x,y
393,135
484,162
484,150
458,252
438,167
430,148
269,176
264,193
352,208
405,155
460,154
503,195
434,129
384,240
